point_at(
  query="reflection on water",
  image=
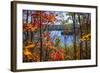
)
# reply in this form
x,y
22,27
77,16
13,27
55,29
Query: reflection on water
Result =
x,y
64,39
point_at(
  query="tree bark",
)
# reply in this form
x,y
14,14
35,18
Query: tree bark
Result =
x,y
74,23
80,36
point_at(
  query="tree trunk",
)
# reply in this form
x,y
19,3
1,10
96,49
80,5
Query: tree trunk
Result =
x,y
74,31
80,37
41,48
27,33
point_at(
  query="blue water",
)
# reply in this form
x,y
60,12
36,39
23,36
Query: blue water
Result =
x,y
65,39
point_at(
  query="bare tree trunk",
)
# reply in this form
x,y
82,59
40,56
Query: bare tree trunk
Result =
x,y
31,24
74,31
87,32
41,48
80,36
27,35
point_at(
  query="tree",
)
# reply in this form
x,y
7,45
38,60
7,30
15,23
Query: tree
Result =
x,y
39,21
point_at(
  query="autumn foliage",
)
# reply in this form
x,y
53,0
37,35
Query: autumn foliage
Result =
x,y
40,47
29,46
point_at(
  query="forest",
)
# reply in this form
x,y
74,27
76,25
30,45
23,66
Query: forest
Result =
x,y
56,36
